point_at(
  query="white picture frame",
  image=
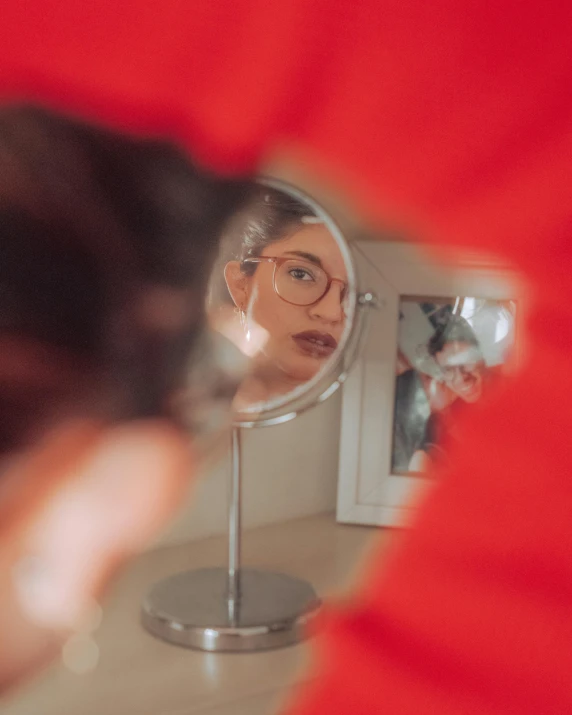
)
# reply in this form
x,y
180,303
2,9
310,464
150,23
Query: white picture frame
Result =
x,y
368,491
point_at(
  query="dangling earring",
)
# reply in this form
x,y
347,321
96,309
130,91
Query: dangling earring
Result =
x,y
246,328
242,318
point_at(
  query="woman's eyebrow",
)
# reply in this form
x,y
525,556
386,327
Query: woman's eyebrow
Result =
x,y
308,256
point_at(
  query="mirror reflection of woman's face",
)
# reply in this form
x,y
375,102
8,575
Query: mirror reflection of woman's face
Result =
x,y
463,369
300,338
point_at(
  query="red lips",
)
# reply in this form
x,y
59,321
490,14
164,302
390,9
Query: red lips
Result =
x,y
315,343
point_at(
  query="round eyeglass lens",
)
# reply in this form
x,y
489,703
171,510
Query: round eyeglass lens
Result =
x,y
300,282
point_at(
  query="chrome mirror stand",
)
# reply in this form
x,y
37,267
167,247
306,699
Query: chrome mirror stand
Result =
x,y
234,609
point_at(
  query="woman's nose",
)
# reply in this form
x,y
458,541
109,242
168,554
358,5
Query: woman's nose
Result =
x,y
463,375
330,307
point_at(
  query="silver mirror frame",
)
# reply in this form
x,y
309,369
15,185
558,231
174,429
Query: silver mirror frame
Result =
x,y
334,374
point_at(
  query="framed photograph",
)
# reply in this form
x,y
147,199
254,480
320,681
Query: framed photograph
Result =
x,y
443,338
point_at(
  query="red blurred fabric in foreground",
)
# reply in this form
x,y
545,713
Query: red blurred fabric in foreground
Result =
x,y
451,121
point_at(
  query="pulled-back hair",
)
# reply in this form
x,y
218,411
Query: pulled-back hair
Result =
x,y
271,216
455,329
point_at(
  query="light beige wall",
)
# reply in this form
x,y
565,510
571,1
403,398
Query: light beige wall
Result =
x,y
289,471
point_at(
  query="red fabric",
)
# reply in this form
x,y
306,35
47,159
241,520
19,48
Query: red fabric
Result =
x,y
451,120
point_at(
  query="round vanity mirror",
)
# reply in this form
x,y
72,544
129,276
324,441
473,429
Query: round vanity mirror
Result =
x,y
283,292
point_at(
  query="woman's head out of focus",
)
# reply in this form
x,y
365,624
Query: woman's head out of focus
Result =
x,y
289,283
457,352
105,248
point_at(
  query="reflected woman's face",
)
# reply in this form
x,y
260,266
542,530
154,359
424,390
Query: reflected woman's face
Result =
x,y
299,338
463,369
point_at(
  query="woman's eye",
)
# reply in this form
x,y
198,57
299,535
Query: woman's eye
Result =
x,y
301,274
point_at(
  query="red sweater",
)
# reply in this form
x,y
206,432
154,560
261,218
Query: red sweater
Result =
x,y
452,121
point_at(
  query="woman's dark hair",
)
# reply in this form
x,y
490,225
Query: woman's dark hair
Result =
x,y
271,216
97,231
455,329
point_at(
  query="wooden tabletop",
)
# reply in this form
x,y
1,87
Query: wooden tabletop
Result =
x,y
139,675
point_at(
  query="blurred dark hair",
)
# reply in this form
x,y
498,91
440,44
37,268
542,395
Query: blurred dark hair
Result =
x,y
455,329
98,233
269,217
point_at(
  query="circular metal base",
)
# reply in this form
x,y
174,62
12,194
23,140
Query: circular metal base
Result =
x,y
192,609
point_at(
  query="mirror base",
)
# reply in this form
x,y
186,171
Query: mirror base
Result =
x,y
193,610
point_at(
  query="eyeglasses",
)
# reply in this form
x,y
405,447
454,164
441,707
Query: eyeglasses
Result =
x,y
298,282
450,372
